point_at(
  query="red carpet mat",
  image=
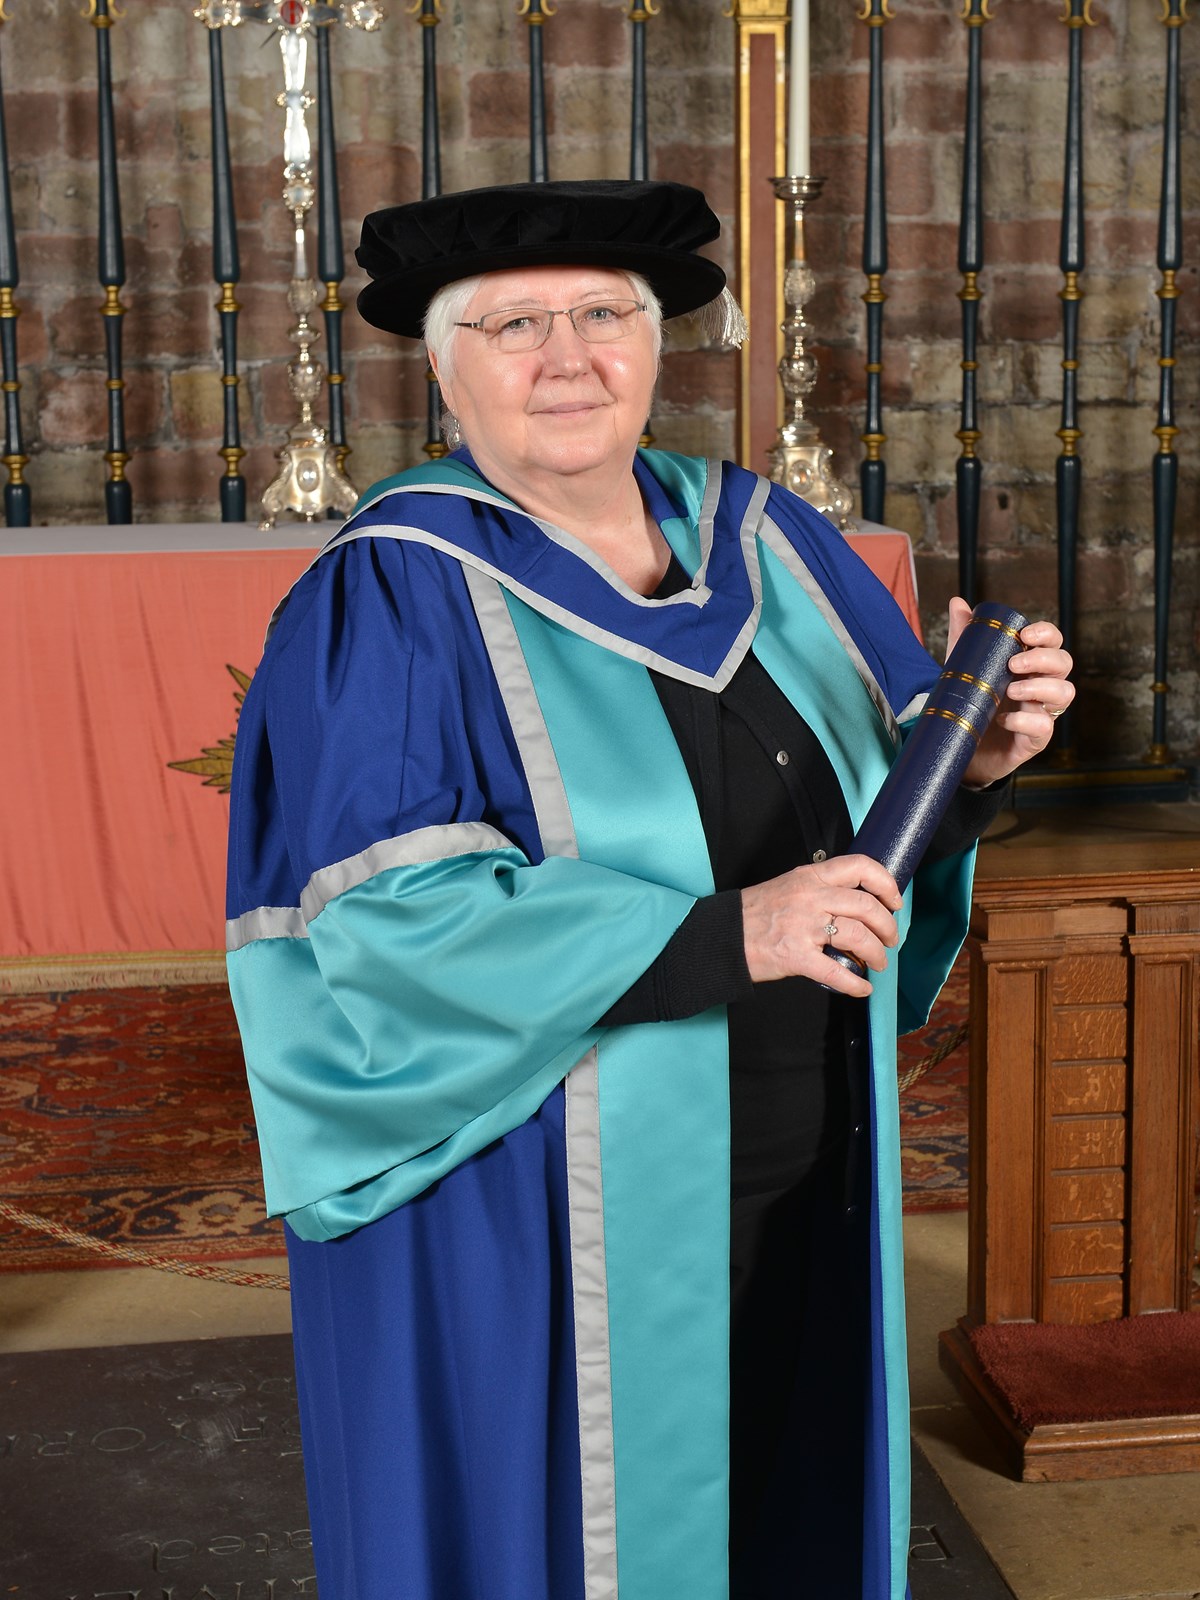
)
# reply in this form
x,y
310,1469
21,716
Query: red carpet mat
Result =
x,y
933,1112
1138,1367
124,1114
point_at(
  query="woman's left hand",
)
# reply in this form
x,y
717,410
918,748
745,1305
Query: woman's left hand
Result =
x,y
1037,697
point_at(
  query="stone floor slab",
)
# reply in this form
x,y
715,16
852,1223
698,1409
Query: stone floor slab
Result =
x,y
153,1472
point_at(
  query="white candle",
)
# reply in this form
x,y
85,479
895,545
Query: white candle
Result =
x,y
797,127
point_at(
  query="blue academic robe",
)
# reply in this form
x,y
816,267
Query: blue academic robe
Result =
x,y
461,828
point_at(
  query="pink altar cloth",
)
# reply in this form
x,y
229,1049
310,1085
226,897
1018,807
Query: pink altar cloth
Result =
x,y
115,646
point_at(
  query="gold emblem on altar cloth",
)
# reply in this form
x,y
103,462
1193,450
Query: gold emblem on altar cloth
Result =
x,y
215,763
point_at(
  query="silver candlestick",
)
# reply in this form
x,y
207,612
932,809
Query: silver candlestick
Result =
x,y
310,480
798,458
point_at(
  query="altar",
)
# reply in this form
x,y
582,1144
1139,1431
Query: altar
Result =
x,y
124,654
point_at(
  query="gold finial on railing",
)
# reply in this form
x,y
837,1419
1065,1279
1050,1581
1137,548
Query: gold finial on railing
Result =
x,y
976,18
535,18
873,18
101,19
1082,18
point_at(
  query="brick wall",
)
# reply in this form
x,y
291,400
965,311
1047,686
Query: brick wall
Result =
x,y
47,61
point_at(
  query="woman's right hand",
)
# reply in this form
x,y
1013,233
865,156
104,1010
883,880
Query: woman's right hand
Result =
x,y
786,922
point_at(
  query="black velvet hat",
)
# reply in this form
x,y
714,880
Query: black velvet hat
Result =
x,y
412,251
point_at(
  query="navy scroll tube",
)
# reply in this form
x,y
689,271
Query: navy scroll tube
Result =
x,y
917,792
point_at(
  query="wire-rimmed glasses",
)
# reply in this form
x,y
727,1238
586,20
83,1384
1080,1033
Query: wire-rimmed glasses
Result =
x,y
519,328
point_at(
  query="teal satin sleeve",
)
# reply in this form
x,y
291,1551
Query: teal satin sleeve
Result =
x,y
430,1010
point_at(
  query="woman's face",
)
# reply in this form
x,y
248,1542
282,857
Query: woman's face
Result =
x,y
565,408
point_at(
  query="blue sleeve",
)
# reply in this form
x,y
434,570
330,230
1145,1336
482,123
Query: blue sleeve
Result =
x,y
419,977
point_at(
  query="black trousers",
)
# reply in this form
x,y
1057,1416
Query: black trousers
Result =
x,y
798,1344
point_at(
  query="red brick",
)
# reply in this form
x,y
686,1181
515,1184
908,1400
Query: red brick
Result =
x,y
1032,241
707,168
930,101
277,407
256,190
499,104
1187,310
916,36
268,266
908,172
842,378
75,407
587,34
142,123
1123,241
1032,33
998,520
77,329
1105,579
1023,305
182,322
190,266
839,104
33,124
922,246
178,478
698,378
371,176
264,322
32,343
164,227
922,305
51,259
388,388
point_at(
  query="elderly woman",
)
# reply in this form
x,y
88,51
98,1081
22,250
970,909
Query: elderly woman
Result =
x,y
588,1154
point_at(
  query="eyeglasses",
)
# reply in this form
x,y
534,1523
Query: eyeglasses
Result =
x,y
521,328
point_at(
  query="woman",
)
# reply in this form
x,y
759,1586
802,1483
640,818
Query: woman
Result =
x,y
543,791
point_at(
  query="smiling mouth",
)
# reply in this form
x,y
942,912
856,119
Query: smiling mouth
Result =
x,y
569,408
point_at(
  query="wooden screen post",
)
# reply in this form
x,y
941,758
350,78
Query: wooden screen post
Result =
x,y
762,222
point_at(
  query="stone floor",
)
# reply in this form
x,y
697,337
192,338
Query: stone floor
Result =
x,y
1128,1539
1120,1539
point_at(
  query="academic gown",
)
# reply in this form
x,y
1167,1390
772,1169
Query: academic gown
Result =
x,y
460,830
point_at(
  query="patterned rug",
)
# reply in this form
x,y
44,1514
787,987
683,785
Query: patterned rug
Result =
x,y
124,1115
933,1112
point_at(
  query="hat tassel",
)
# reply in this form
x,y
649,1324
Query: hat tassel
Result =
x,y
724,321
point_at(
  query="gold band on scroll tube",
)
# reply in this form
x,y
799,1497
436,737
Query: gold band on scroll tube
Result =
x,y
952,716
1002,627
978,683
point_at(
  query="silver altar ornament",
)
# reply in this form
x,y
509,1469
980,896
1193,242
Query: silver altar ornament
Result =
x,y
311,479
799,460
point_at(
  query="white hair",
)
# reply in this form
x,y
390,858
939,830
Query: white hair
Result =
x,y
449,306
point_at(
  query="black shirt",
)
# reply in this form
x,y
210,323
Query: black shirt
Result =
x,y
769,800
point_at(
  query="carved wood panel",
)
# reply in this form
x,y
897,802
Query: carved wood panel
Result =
x,y
1085,1094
